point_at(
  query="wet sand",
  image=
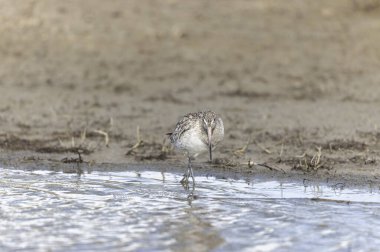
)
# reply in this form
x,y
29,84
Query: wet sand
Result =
x,y
297,83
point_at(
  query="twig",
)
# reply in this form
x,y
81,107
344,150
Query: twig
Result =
x,y
83,135
137,144
105,134
242,150
263,148
301,156
251,164
316,159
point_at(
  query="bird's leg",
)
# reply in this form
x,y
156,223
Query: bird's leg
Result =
x,y
185,179
190,169
191,195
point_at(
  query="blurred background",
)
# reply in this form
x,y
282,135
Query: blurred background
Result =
x,y
117,65
89,89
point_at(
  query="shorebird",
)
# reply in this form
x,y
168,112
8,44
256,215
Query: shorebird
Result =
x,y
197,133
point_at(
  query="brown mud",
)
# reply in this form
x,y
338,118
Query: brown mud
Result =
x,y
296,82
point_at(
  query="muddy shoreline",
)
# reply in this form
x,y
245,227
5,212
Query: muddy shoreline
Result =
x,y
296,83
73,164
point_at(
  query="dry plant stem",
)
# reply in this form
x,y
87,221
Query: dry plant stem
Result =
x,y
138,142
315,161
83,135
263,148
165,148
242,150
251,164
282,150
105,134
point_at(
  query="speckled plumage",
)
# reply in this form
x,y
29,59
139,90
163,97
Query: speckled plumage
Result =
x,y
197,133
190,133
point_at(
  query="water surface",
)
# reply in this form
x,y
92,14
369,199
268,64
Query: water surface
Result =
x,y
150,210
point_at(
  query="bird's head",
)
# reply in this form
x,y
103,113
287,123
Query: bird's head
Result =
x,y
209,124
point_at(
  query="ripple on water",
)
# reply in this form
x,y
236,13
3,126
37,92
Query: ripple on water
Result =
x,y
150,210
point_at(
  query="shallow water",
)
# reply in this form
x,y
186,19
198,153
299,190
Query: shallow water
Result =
x,y
150,210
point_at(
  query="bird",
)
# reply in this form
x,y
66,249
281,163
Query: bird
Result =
x,y
197,133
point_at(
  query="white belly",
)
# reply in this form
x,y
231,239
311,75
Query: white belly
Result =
x,y
192,143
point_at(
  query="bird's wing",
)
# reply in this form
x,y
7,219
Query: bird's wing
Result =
x,y
182,126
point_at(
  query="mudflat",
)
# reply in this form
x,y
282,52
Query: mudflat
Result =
x,y
297,83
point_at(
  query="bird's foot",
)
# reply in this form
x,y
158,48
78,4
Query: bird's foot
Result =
x,y
185,181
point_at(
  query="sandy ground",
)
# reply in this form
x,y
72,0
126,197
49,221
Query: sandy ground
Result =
x,y
297,82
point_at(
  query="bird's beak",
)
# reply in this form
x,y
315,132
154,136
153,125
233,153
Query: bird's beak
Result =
x,y
209,142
